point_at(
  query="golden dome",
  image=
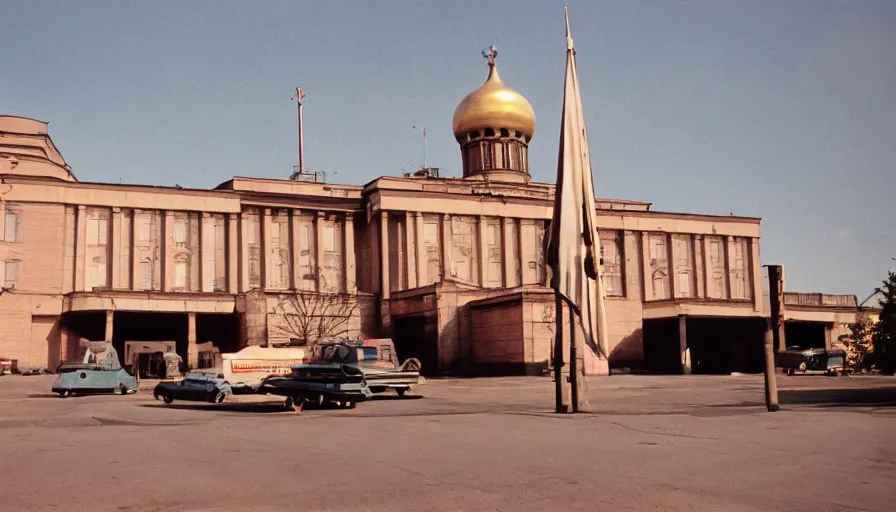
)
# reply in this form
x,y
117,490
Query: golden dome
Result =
x,y
494,106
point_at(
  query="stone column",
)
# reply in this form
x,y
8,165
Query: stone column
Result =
x,y
729,265
646,277
446,246
508,263
409,250
244,254
707,268
670,267
481,241
828,336
699,267
80,248
384,255
135,261
683,345
110,324
165,243
754,273
420,250
233,254
295,279
319,224
348,248
206,253
267,268
192,348
114,266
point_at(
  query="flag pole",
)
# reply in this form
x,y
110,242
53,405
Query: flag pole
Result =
x,y
301,139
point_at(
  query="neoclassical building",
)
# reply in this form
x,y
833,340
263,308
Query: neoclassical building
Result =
x,y
451,268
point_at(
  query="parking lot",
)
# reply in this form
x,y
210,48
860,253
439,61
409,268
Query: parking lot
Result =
x,y
649,443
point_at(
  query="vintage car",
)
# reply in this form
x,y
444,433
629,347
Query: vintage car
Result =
x,y
322,384
197,386
100,371
796,360
377,359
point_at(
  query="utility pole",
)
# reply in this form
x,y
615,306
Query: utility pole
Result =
x,y
424,146
299,96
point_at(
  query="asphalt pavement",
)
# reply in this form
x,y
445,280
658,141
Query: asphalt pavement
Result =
x,y
694,443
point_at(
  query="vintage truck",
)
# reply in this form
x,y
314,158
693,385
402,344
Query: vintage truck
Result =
x,y
99,371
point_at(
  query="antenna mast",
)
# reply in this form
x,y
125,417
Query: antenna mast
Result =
x,y
424,147
299,96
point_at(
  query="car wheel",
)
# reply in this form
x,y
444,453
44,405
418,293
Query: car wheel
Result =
x,y
803,367
167,399
122,390
219,398
287,404
401,391
64,394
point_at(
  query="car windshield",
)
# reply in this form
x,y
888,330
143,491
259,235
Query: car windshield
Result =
x,y
335,353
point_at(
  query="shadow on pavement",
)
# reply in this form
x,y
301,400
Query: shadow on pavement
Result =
x,y
262,408
386,398
869,397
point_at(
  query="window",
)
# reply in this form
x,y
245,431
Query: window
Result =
x,y
11,226
97,229
717,289
658,248
370,353
495,257
251,230
515,159
486,149
181,269
96,273
11,273
683,284
144,230
739,288
145,275
180,232
433,258
660,285
611,260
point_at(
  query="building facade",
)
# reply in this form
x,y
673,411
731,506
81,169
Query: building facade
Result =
x,y
451,269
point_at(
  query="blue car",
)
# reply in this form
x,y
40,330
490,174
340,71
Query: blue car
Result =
x,y
92,376
196,386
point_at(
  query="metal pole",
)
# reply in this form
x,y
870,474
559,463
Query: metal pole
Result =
x,y
301,140
424,147
573,364
771,384
561,406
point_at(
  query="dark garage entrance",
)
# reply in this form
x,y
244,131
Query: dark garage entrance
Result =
x,y
417,336
717,345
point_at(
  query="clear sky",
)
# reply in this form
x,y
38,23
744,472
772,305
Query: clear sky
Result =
x,y
784,110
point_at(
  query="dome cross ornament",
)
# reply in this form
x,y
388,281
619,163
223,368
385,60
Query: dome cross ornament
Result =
x,y
490,54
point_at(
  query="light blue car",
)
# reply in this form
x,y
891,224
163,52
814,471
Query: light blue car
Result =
x,y
90,376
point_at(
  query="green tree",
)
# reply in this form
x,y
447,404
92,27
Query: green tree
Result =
x,y
859,345
884,336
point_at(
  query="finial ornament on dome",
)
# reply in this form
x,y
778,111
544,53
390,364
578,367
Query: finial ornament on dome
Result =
x,y
490,54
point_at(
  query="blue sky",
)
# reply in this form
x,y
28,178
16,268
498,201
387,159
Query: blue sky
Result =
x,y
777,109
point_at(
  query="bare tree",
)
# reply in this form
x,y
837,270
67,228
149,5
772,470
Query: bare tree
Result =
x,y
311,316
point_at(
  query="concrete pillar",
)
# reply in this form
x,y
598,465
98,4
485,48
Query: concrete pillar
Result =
x,y
267,267
233,254
446,246
683,345
482,243
244,253
351,274
80,247
165,243
319,224
646,277
410,253
385,285
420,250
114,266
192,348
110,325
828,336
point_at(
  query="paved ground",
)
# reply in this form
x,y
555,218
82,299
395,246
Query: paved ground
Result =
x,y
651,443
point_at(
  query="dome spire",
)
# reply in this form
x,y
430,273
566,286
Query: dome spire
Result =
x,y
493,126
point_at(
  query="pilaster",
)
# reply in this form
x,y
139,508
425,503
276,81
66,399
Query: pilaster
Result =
x,y
446,246
482,264
267,248
348,249
729,265
244,253
506,253
319,224
646,277
110,325
754,274
80,247
384,255
409,250
165,243
707,268
295,278
207,252
420,250
114,267
233,257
